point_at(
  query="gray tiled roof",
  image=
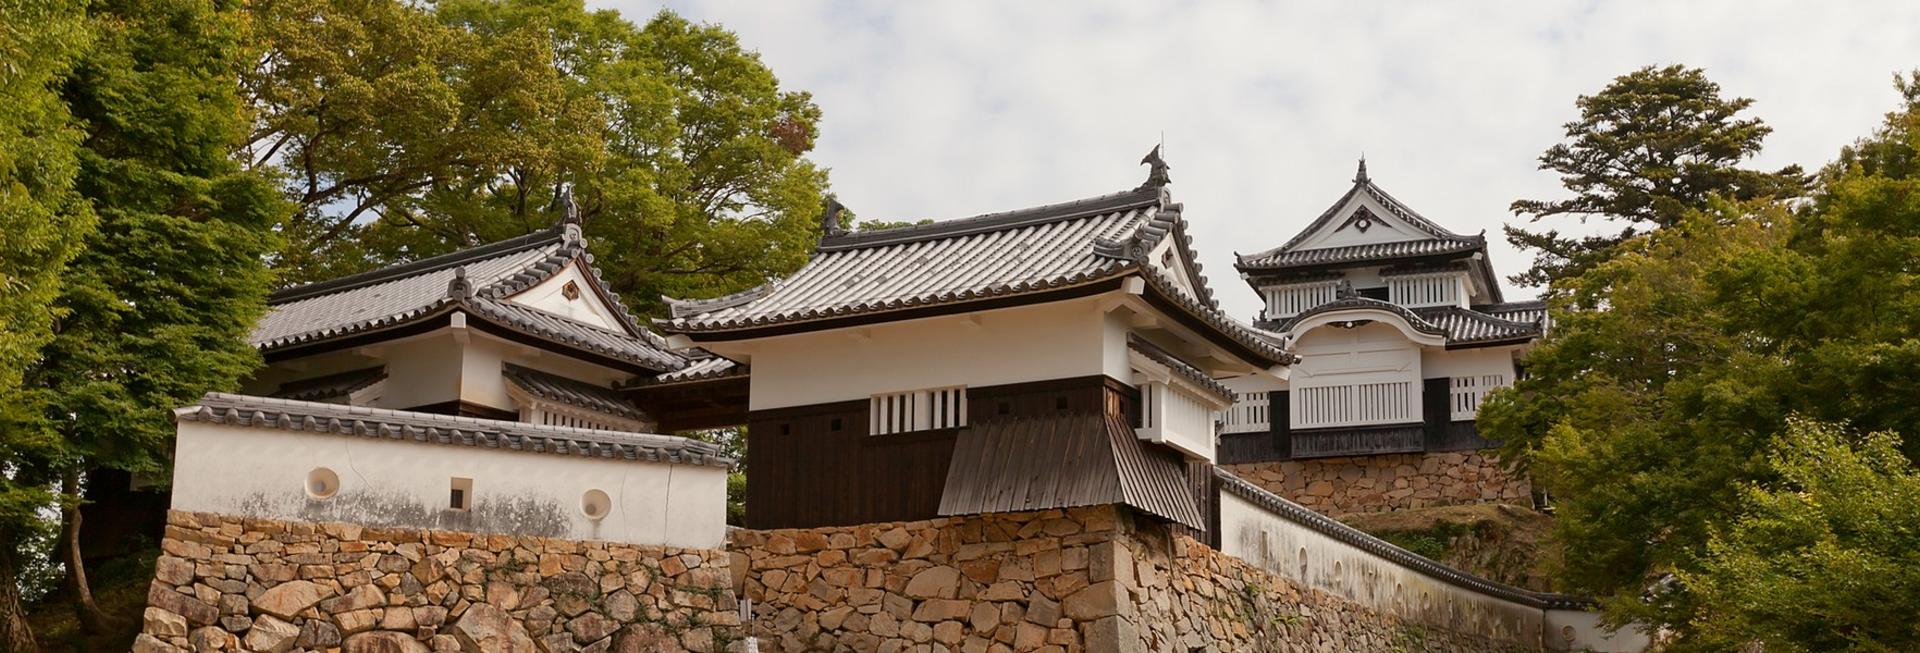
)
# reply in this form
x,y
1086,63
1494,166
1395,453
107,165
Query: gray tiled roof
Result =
x,y
1437,241
402,294
331,386
1460,326
572,392
1532,310
995,255
1193,374
975,258
1357,254
701,369
427,428
1465,326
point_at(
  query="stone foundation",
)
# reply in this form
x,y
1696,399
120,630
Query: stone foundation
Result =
x,y
228,583
1390,482
1055,581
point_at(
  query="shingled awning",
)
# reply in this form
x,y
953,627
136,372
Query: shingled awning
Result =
x,y
1061,461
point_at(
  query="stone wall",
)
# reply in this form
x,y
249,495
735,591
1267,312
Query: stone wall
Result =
x,y
1380,483
1088,579
224,583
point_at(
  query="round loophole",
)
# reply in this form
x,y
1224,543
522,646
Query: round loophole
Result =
x,y
595,504
322,483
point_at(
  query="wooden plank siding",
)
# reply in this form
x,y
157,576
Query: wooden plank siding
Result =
x,y
1028,446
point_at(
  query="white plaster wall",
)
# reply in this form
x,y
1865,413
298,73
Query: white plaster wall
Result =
x,y
1578,630
587,307
1306,556
256,472
421,371
1468,362
1011,345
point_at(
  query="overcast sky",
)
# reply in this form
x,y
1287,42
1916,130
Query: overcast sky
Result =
x,y
950,109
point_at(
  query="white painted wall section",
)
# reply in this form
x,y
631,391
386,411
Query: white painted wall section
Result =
x,y
1013,345
256,472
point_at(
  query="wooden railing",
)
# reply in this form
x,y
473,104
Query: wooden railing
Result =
x,y
1441,289
1469,391
1248,413
1388,402
1288,301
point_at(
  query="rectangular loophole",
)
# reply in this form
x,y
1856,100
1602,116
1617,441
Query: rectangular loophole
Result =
x,y
461,496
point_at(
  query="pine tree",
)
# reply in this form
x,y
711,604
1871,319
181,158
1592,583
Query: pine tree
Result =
x,y
1652,146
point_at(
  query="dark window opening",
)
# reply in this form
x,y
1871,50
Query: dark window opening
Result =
x,y
1379,293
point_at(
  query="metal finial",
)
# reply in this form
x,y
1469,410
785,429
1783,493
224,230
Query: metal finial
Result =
x,y
830,218
1360,177
460,287
1157,176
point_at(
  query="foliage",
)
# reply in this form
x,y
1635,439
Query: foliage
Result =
x,y
1648,149
158,305
411,130
1826,556
43,220
1672,365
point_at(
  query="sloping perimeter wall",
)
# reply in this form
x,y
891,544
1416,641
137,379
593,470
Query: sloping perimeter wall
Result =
x,y
1085,579
224,583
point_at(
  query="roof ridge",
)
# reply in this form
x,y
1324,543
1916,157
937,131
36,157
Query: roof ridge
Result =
x,y
1469,312
1361,183
429,264
1045,213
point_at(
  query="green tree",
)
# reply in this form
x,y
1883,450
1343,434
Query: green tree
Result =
x,y
43,220
156,308
683,152
1825,556
1673,363
1649,148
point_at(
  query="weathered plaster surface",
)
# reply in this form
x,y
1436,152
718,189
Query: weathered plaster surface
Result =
x,y
243,471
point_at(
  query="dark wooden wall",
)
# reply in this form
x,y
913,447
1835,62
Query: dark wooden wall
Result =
x,y
817,466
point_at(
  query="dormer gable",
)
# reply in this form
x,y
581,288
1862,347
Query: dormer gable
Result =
x,y
571,293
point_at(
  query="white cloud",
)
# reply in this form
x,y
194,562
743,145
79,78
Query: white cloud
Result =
x,y
948,109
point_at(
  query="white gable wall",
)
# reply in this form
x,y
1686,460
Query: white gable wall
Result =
x,y
1387,228
550,296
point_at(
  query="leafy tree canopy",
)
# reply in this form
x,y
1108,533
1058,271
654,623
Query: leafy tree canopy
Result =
x,y
1824,557
1672,364
1648,149
407,131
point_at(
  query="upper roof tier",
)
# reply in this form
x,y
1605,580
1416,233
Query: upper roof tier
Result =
x,y
1367,226
1026,255
481,282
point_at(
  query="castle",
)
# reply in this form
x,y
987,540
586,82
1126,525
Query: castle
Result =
x,y
1024,431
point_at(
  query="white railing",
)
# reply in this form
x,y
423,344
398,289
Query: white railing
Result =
x,y
917,410
1248,413
1288,301
1469,391
1389,402
1173,416
1438,289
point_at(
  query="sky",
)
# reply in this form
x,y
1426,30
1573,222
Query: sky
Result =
x,y
950,109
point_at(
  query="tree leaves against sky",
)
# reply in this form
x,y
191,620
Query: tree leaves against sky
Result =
x,y
406,131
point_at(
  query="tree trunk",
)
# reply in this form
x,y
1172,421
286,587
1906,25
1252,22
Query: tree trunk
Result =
x,y
16,635
79,592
